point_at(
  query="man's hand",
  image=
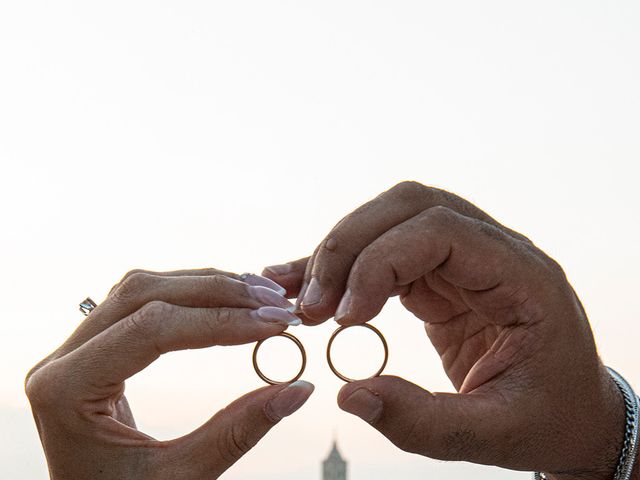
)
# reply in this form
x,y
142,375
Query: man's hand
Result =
x,y
77,393
510,331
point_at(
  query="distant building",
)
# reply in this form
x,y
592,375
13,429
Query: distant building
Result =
x,y
334,467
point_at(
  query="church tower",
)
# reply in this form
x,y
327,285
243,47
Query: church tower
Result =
x,y
334,467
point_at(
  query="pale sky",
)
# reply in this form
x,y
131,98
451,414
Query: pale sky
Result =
x,y
234,134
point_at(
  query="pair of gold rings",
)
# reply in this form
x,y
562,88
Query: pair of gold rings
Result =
x,y
329,360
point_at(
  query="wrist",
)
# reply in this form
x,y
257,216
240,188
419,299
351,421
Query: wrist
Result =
x,y
608,418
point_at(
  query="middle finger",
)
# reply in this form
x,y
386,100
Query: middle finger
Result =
x,y
203,291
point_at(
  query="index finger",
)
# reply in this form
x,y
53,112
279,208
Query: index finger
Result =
x,y
328,269
127,347
489,269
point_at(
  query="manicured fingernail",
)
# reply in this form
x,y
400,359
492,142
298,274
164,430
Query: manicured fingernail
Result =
x,y
288,400
345,306
363,403
278,315
267,296
313,294
259,281
280,270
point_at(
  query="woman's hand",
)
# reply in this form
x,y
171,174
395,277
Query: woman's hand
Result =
x,y
77,393
511,333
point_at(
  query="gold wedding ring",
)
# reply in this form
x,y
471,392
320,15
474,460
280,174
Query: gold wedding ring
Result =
x,y
269,380
343,328
329,361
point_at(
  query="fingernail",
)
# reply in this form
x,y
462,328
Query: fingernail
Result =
x,y
288,400
260,281
269,297
303,290
313,294
364,404
345,306
277,315
280,270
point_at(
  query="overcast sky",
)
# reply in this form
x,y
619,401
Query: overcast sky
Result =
x,y
234,134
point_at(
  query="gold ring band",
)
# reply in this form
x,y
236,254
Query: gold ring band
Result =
x,y
274,382
341,329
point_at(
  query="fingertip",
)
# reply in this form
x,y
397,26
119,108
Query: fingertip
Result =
x,y
320,312
275,315
312,313
303,384
346,321
357,399
346,390
344,307
288,400
356,308
261,281
319,300
292,282
351,320
254,326
306,319
350,387
309,322
293,269
379,385
276,271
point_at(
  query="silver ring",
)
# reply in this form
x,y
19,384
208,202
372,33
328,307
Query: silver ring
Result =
x,y
87,306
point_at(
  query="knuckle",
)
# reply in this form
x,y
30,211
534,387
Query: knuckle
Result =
x,y
40,387
42,363
441,215
555,268
135,271
221,318
407,441
409,190
133,284
542,263
125,277
555,275
375,252
146,320
408,187
33,387
153,311
146,324
217,281
233,440
520,238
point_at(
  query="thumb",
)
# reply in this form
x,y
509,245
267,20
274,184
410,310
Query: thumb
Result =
x,y
468,427
211,449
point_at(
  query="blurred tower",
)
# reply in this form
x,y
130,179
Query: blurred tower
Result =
x,y
334,467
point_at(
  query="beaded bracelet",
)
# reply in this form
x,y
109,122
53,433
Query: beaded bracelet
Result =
x,y
629,450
